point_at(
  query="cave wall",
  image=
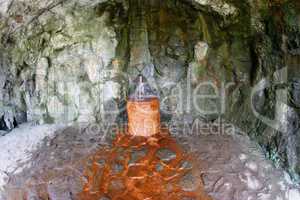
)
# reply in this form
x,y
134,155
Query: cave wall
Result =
x,y
73,61
53,61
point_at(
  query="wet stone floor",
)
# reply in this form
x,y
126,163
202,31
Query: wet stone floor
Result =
x,y
75,164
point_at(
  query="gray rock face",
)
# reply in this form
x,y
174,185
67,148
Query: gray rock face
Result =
x,y
61,60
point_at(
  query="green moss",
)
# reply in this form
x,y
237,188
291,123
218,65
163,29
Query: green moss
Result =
x,y
291,16
201,71
48,119
53,25
67,100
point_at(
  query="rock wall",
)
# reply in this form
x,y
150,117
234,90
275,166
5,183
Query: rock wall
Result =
x,y
54,62
73,61
271,115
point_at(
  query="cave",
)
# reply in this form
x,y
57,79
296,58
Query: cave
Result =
x,y
224,82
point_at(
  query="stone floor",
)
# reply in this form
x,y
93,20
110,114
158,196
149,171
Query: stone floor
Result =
x,y
232,167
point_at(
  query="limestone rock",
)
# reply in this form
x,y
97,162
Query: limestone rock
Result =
x,y
219,6
4,5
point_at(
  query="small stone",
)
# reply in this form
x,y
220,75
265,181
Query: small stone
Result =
x,y
252,182
252,166
243,157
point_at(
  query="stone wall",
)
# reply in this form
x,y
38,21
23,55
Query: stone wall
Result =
x,y
55,61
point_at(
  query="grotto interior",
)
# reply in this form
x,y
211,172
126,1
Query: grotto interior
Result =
x,y
149,99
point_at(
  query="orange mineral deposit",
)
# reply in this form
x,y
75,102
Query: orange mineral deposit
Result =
x,y
134,168
143,111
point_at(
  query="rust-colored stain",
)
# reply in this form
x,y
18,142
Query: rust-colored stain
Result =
x,y
132,169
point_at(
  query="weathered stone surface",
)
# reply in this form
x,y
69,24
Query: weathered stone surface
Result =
x,y
219,6
61,57
4,4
